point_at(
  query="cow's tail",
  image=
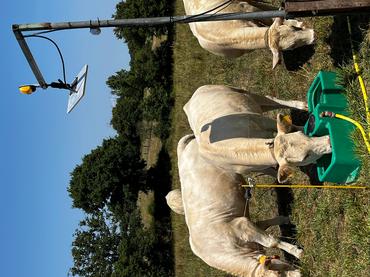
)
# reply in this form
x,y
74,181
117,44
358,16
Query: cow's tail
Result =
x,y
183,142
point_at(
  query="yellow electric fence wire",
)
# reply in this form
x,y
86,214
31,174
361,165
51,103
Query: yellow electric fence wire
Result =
x,y
306,186
358,125
358,72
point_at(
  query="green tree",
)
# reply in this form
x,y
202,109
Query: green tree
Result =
x,y
95,245
136,37
139,252
105,174
126,83
125,116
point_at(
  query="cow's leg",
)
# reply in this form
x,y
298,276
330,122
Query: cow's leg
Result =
x,y
295,104
249,232
279,265
268,103
269,171
255,6
271,242
279,220
289,248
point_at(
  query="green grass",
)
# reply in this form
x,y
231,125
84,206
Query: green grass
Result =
x,y
332,226
336,238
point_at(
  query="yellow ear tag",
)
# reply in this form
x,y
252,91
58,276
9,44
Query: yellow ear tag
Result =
x,y
289,172
287,119
262,259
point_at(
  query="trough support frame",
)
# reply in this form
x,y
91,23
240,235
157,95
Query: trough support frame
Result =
x,y
303,8
293,8
110,23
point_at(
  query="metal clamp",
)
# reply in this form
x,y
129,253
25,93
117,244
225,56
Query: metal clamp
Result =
x,y
251,182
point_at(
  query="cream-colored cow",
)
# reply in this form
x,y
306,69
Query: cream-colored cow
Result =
x,y
233,134
212,201
235,38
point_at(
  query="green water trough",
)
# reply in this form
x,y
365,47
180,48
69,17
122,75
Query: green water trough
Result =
x,y
342,165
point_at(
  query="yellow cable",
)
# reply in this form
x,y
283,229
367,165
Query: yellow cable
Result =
x,y
363,88
358,125
358,72
307,186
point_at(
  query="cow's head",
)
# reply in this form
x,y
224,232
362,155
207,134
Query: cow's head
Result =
x,y
290,273
274,267
174,201
295,148
287,35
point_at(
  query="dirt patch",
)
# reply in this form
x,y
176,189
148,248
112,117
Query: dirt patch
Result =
x,y
157,41
145,203
150,143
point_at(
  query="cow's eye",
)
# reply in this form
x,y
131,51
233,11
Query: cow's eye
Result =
x,y
306,157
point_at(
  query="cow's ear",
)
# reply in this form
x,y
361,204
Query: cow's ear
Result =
x,y
274,41
284,124
278,21
276,57
284,172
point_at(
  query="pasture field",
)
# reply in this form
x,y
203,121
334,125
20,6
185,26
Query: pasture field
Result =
x,y
332,226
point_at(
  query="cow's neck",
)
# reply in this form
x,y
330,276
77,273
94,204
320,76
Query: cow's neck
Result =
x,y
256,38
253,154
257,152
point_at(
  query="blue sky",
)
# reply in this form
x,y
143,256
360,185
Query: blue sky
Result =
x,y
40,143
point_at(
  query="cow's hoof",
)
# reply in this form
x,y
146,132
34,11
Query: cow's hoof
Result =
x,y
285,220
299,253
302,106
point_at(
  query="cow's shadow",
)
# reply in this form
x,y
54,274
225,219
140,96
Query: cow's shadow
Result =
x,y
339,39
296,58
288,231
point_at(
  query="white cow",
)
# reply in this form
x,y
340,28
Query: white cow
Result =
x,y
233,134
212,201
235,38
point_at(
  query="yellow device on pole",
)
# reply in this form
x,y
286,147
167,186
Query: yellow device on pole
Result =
x,y
27,89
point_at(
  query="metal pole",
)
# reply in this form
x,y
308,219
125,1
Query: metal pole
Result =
x,y
308,186
325,7
151,21
31,61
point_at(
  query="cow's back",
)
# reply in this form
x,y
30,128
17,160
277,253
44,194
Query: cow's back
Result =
x,y
213,101
215,36
208,190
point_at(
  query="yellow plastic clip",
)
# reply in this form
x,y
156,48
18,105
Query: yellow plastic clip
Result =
x,y
262,259
287,119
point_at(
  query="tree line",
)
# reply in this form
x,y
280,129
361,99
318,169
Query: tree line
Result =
x,y
111,240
